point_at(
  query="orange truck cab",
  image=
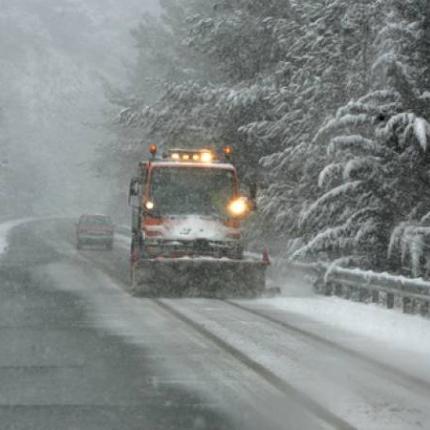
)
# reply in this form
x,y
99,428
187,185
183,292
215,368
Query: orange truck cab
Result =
x,y
187,204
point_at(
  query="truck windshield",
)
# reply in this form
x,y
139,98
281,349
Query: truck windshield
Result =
x,y
191,190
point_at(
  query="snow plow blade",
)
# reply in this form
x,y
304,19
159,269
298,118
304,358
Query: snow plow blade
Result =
x,y
198,278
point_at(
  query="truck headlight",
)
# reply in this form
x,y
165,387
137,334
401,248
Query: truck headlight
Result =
x,y
149,205
238,207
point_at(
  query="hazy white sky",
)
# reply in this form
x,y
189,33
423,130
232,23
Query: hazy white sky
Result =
x,y
53,53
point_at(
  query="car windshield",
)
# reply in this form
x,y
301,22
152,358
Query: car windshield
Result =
x,y
191,190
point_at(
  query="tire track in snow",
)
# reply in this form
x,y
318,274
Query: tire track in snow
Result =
x,y
402,378
270,377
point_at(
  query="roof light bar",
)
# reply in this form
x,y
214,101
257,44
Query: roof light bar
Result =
x,y
207,157
200,155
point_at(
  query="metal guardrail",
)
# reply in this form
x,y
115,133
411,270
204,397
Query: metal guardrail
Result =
x,y
412,295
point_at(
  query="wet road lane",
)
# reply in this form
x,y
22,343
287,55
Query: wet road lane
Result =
x,y
59,371
78,352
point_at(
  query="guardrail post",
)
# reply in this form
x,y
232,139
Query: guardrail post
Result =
x,y
424,308
328,289
414,306
363,294
390,300
406,304
375,296
319,286
338,290
348,292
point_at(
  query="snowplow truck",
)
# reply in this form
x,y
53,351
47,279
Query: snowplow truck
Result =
x,y
187,215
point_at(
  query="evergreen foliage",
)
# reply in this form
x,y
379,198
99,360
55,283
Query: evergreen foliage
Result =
x,y
326,103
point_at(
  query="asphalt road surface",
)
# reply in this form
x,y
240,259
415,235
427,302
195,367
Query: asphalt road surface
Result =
x,y
77,351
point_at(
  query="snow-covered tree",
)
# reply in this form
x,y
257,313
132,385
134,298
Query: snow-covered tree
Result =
x,y
374,174
242,39
330,95
316,78
375,177
228,97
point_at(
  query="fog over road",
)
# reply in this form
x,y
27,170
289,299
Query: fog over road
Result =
x,y
79,352
56,57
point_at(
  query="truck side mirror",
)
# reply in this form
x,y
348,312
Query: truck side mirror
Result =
x,y
134,188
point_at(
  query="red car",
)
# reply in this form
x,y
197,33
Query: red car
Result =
x,y
94,230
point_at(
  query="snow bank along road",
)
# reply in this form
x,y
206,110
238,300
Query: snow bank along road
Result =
x,y
79,352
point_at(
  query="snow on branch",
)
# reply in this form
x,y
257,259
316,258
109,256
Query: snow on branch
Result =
x,y
354,141
365,165
333,194
396,30
409,241
425,219
359,227
409,121
330,237
386,95
329,173
346,121
422,132
366,232
355,108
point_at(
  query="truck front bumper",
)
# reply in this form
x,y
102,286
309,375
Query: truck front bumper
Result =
x,y
198,277
232,249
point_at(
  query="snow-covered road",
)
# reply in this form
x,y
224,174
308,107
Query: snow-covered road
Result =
x,y
6,228
387,335
365,395
291,362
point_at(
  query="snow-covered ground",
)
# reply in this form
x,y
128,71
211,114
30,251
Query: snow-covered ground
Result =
x,y
367,395
388,336
391,327
5,229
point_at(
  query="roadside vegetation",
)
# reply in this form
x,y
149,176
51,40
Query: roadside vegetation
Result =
x,y
325,102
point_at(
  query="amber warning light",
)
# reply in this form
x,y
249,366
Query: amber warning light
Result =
x,y
153,149
228,152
